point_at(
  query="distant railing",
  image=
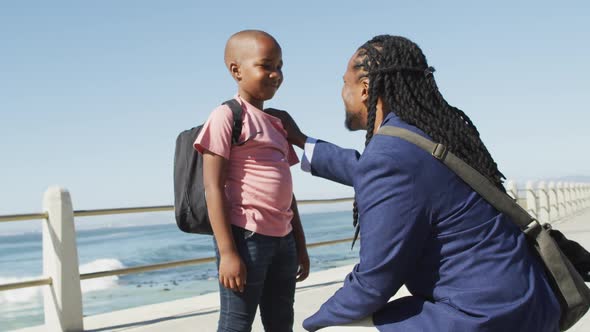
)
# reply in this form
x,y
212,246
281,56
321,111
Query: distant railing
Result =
x,y
63,297
553,201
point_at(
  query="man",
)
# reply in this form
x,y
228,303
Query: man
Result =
x,y
467,266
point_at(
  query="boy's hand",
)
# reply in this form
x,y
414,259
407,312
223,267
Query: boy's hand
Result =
x,y
232,272
294,134
303,260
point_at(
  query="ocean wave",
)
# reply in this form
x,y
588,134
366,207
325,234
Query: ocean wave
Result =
x,y
19,296
33,294
98,265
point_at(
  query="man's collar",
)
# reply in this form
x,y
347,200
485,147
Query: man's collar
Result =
x,y
389,119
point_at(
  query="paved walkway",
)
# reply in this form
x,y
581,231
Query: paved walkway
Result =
x,y
199,314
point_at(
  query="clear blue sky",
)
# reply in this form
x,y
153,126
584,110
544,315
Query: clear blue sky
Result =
x,y
93,93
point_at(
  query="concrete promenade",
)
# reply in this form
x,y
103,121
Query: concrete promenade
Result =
x,y
199,314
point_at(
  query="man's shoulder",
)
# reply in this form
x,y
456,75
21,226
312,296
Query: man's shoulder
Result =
x,y
395,152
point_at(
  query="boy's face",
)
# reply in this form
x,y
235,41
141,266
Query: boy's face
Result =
x,y
259,72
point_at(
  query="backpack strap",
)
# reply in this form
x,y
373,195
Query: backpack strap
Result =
x,y
236,109
501,201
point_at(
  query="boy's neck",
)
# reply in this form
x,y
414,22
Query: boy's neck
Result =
x,y
252,101
258,104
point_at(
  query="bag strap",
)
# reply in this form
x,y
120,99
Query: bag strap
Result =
x,y
236,109
498,199
554,260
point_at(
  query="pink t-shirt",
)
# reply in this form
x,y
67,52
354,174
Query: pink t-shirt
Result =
x,y
259,187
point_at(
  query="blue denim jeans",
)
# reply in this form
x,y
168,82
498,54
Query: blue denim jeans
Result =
x,y
271,266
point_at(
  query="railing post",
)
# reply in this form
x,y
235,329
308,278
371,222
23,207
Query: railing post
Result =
x,y
63,298
585,193
511,189
543,203
553,203
561,200
573,199
569,201
531,200
576,196
581,196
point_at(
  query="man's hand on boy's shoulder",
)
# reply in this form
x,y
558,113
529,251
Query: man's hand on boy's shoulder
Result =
x,y
294,134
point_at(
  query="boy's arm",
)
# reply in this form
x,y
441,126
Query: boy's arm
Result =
x,y
232,271
302,256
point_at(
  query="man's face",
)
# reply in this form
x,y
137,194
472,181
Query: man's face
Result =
x,y
353,92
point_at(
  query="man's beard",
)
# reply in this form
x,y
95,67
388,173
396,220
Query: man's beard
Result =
x,y
350,120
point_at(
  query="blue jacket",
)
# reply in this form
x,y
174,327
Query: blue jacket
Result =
x,y
468,267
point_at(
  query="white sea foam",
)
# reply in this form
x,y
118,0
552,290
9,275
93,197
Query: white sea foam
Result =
x,y
33,294
103,264
19,296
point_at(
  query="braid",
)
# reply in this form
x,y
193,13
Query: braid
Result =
x,y
372,112
399,74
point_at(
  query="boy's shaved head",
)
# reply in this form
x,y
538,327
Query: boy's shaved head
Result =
x,y
239,43
254,60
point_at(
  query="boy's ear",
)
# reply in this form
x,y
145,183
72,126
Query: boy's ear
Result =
x,y
234,69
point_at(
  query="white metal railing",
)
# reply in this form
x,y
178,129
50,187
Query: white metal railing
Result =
x,y
63,299
553,201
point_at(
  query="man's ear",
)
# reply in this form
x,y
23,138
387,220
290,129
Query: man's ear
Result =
x,y
234,70
365,90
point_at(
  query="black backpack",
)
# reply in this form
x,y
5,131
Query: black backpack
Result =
x,y
190,207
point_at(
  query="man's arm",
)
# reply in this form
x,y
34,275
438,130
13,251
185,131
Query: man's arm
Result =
x,y
329,161
298,233
393,232
334,163
232,271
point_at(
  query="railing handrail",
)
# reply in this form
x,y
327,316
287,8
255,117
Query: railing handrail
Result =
x,y
160,208
529,189
23,217
142,209
63,296
167,265
25,284
141,268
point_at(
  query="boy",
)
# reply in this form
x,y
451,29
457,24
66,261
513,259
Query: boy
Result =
x,y
259,241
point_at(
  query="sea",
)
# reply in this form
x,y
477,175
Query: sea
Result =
x,y
113,242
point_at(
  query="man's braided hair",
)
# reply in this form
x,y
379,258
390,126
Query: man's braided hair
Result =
x,y
399,74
